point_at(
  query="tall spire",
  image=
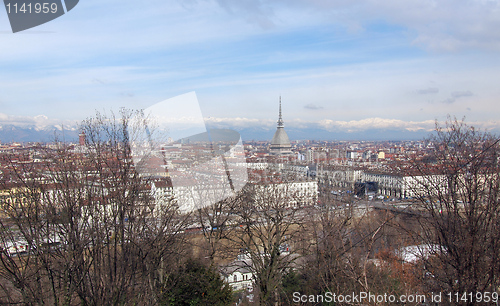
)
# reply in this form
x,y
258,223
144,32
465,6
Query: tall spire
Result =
x,y
280,144
280,120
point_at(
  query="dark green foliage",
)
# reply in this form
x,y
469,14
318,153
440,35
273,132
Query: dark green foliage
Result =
x,y
293,282
196,284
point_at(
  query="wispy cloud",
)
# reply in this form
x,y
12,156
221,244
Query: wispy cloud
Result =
x,y
376,123
329,125
335,59
456,95
431,90
342,126
459,94
254,11
449,101
433,24
239,122
313,106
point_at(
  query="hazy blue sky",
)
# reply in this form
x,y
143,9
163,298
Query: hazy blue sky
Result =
x,y
348,65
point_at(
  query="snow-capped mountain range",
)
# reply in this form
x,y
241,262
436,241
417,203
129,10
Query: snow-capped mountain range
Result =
x,y
33,133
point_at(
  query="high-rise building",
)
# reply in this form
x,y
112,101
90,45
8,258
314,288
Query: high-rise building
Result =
x,y
280,145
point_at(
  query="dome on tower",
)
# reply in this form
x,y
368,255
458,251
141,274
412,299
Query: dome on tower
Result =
x,y
280,144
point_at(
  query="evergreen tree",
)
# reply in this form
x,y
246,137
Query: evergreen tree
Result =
x,y
196,284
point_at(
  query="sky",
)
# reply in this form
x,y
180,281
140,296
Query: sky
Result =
x,y
342,66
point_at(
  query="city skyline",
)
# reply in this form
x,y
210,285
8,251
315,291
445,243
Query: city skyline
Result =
x,y
341,69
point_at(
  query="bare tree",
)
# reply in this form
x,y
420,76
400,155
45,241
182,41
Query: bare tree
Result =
x,y
271,234
217,224
346,241
354,251
93,232
457,184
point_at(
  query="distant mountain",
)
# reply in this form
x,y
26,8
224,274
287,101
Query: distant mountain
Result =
x,y
32,133
248,134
